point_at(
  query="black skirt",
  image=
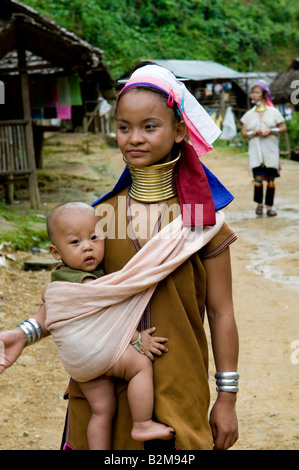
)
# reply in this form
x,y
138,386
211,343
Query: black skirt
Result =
x,y
266,172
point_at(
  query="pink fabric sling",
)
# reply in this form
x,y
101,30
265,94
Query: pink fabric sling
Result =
x,y
92,324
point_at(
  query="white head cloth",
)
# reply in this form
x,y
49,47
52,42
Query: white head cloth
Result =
x,y
201,128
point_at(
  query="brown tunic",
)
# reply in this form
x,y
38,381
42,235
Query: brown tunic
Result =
x,y
181,375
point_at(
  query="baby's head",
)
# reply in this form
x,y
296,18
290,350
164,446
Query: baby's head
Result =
x,y
72,232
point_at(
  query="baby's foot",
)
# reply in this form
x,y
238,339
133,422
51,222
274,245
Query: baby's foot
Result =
x,y
148,430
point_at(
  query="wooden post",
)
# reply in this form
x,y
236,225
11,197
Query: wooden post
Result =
x,y
9,187
33,185
6,163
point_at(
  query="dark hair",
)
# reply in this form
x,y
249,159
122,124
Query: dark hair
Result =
x,y
142,63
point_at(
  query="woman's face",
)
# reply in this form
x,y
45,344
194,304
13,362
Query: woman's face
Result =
x,y
146,128
256,94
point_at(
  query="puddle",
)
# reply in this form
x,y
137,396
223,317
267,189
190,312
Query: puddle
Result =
x,y
275,256
270,269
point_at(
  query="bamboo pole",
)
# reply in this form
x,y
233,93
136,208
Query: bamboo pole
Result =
x,y
33,185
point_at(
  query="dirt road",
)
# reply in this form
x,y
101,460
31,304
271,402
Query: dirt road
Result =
x,y
266,295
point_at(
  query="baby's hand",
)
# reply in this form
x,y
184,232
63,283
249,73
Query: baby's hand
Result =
x,y
152,345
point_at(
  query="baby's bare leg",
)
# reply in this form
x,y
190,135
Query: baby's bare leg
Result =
x,y
100,395
137,370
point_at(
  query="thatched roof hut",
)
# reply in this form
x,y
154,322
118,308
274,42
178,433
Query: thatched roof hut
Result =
x,y
284,85
34,48
57,47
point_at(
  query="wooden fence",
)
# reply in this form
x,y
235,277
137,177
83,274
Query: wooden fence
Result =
x,y
14,159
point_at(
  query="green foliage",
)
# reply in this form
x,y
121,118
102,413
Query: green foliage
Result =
x,y
293,130
256,34
24,231
25,239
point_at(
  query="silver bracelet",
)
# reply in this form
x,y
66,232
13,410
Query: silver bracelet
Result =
x,y
275,130
32,330
227,388
227,375
227,382
137,344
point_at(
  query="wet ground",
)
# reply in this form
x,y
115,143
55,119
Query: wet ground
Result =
x,y
275,239
275,258
266,296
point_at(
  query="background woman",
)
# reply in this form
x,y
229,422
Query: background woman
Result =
x,y
262,125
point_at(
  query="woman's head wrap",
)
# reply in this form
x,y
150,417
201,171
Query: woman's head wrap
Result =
x,y
201,129
196,185
262,84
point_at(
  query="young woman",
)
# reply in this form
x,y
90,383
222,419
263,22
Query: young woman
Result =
x,y
164,178
262,125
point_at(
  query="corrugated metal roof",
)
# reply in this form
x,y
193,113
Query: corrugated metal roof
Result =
x,y
199,69
250,78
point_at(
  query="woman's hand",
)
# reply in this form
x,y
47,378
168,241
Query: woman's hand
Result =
x,y
12,343
266,133
223,421
152,345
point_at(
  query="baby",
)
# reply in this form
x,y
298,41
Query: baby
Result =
x,y
74,241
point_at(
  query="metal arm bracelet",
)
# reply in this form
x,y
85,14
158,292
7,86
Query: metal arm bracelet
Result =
x,y
227,382
32,330
137,344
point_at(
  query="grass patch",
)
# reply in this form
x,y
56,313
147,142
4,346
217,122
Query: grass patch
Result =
x,y
22,231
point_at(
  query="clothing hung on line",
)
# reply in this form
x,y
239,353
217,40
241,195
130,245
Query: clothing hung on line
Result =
x,y
55,96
